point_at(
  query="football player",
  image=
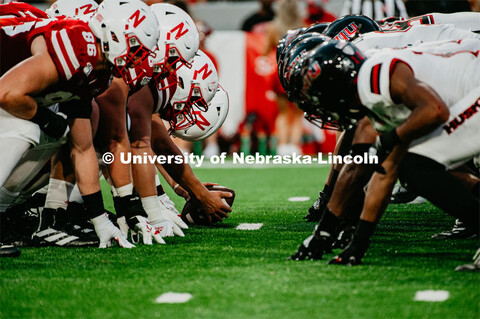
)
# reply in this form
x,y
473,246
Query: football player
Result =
x,y
69,61
407,101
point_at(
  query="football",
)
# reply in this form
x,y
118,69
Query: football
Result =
x,y
193,214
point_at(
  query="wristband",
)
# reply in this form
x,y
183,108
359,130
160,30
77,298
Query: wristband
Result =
x,y
390,140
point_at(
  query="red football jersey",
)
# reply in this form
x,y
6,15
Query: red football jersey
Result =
x,y
18,12
72,47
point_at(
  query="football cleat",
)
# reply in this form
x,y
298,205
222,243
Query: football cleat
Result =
x,y
9,251
55,229
459,231
401,195
313,247
475,266
344,237
315,212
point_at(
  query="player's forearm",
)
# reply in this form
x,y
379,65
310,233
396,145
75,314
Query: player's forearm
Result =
x,y
22,106
381,185
170,181
423,120
348,188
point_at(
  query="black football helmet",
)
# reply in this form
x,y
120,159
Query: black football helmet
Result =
x,y
292,70
329,75
284,55
350,26
286,39
317,27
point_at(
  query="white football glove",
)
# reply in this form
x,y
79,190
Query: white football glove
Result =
x,y
167,202
107,232
141,226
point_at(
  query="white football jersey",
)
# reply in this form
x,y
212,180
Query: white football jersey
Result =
x,y
452,72
412,36
463,20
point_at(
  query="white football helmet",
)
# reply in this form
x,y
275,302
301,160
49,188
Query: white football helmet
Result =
x,y
196,87
72,8
208,122
178,41
128,31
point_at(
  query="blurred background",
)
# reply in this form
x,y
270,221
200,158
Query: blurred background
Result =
x,y
241,38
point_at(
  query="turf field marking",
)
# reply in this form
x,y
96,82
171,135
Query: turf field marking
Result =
x,y
298,199
173,297
247,226
432,295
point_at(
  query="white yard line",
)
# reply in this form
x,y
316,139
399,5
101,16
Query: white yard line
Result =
x,y
432,295
173,297
247,226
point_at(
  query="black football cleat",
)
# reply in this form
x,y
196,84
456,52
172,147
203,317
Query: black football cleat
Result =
x,y
473,267
56,230
9,251
313,248
458,231
344,237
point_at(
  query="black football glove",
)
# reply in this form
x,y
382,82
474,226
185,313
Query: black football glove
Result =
x,y
315,212
352,255
313,247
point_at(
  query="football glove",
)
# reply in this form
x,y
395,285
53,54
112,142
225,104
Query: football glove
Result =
x,y
352,255
141,226
315,212
170,212
107,232
313,247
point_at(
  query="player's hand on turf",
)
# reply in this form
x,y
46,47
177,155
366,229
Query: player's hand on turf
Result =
x,y
313,247
108,232
215,206
141,226
351,256
167,222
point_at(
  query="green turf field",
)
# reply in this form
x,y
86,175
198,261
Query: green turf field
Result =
x,y
244,274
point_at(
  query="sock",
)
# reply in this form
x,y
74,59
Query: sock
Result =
x,y
94,204
75,195
328,223
43,190
58,194
160,190
125,190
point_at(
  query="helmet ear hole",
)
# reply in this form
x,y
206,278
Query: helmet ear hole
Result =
x,y
180,83
114,36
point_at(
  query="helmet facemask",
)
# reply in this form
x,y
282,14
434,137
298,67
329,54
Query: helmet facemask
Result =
x,y
136,55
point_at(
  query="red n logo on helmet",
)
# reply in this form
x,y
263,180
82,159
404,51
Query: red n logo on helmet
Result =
x,y
204,70
137,19
180,32
86,9
201,120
